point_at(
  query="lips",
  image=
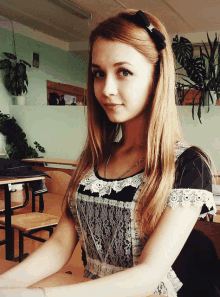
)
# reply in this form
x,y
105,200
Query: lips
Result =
x,y
112,106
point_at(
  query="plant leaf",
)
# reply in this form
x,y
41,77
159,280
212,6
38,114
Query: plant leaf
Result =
x,y
10,56
21,69
5,63
12,73
196,71
26,63
182,49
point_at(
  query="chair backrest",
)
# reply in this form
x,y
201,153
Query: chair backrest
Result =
x,y
216,178
212,230
58,183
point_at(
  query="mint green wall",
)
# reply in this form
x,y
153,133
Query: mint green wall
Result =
x,y
60,129
205,135
5,99
4,108
55,64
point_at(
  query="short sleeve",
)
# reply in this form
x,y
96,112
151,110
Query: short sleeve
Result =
x,y
193,183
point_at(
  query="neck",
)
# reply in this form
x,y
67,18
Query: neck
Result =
x,y
134,134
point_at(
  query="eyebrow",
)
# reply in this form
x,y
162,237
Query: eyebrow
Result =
x,y
116,64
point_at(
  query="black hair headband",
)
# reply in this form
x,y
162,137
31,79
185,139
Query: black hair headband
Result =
x,y
141,20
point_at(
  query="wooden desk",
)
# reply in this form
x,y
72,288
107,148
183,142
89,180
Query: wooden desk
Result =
x,y
52,161
9,232
57,279
19,180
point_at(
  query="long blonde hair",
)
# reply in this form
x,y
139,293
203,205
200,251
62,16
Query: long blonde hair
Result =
x,y
163,126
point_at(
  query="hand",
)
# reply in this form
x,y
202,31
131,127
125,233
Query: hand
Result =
x,y
21,292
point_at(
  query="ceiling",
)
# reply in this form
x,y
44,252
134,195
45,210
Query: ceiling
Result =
x,y
179,16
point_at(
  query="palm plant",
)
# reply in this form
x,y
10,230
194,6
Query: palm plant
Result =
x,y
202,72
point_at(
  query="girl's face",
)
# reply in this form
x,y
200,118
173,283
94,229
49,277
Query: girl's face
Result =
x,y
122,80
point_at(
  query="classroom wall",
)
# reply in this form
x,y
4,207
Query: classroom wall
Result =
x,y
4,97
205,135
55,64
60,129
4,108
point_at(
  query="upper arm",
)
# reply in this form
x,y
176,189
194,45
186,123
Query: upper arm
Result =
x,y
169,237
65,231
190,198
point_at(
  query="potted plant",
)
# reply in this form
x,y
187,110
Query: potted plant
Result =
x,y
16,80
17,146
201,73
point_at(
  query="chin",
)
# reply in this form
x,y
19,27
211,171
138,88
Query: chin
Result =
x,y
119,118
115,118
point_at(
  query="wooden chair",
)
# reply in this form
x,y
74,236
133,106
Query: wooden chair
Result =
x,y
30,223
15,204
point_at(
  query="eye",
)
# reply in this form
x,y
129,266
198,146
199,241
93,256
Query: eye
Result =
x,y
98,74
124,72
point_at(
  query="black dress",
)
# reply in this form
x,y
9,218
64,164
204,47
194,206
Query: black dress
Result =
x,y
108,231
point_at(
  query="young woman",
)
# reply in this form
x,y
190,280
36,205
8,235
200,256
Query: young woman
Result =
x,y
138,190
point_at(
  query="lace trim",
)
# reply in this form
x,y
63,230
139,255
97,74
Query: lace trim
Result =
x,y
211,212
100,269
114,218
72,206
116,203
138,243
176,283
197,197
170,285
167,287
103,187
161,289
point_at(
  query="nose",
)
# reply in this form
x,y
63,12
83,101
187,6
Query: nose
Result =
x,y
110,87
